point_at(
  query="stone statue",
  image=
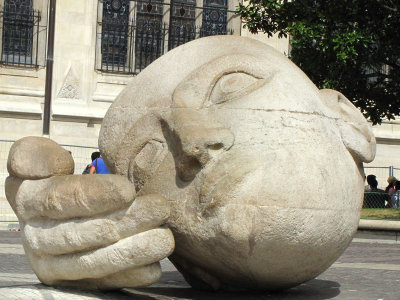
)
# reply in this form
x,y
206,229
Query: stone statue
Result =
x,y
222,146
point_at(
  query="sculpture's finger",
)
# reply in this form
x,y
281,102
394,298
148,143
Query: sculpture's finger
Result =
x,y
139,250
71,196
136,277
35,157
130,278
11,187
53,237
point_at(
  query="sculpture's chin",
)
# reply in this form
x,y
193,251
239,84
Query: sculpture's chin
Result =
x,y
253,247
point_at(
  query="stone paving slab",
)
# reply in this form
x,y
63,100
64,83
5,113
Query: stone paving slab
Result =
x,y
42,292
365,271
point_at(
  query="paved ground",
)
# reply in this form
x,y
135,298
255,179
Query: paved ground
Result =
x,y
365,271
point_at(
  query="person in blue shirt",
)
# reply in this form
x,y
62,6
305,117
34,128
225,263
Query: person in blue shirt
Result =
x,y
98,167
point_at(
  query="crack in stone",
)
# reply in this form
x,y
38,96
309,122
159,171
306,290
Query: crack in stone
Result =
x,y
282,110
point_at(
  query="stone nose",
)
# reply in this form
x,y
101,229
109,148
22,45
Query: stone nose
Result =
x,y
200,139
204,143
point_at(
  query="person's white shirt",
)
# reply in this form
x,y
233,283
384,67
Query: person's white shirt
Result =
x,y
395,199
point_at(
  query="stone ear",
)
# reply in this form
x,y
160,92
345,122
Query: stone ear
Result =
x,y
355,131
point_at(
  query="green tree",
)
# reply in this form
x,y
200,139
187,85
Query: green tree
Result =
x,y
352,46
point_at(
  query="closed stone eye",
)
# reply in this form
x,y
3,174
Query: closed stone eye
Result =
x,y
224,79
231,86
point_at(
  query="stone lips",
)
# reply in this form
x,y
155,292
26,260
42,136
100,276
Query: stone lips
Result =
x,y
50,159
272,197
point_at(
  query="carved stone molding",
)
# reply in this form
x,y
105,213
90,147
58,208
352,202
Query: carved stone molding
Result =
x,y
71,87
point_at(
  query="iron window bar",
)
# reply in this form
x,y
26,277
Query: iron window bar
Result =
x,y
152,2
146,36
20,36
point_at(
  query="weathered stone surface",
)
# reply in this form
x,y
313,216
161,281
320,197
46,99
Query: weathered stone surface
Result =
x,y
35,157
257,173
141,276
11,187
262,170
73,196
145,213
89,231
139,250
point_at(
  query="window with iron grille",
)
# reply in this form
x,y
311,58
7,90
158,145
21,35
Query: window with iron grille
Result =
x,y
214,17
182,22
114,35
18,27
149,33
133,33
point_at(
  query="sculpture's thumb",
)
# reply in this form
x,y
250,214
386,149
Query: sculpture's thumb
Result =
x,y
34,158
37,158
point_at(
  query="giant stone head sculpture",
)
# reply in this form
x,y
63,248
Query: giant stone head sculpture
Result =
x,y
262,170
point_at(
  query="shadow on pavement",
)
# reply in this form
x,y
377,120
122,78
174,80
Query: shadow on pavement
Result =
x,y
41,291
315,289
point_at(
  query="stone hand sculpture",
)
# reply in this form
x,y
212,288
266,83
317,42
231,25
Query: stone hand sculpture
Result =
x,y
80,230
262,172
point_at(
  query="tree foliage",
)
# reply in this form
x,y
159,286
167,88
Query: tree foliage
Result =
x,y
352,46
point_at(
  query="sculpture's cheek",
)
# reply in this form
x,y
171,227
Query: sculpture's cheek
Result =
x,y
262,215
284,239
293,177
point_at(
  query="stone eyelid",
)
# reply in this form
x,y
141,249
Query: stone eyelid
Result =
x,y
241,83
196,90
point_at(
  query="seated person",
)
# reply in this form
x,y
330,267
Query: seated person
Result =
x,y
98,167
394,200
370,178
375,198
390,188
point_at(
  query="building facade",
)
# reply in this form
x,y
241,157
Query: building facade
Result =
x,y
99,45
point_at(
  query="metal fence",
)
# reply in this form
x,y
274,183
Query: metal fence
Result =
x,y
381,173
381,200
396,172
80,154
